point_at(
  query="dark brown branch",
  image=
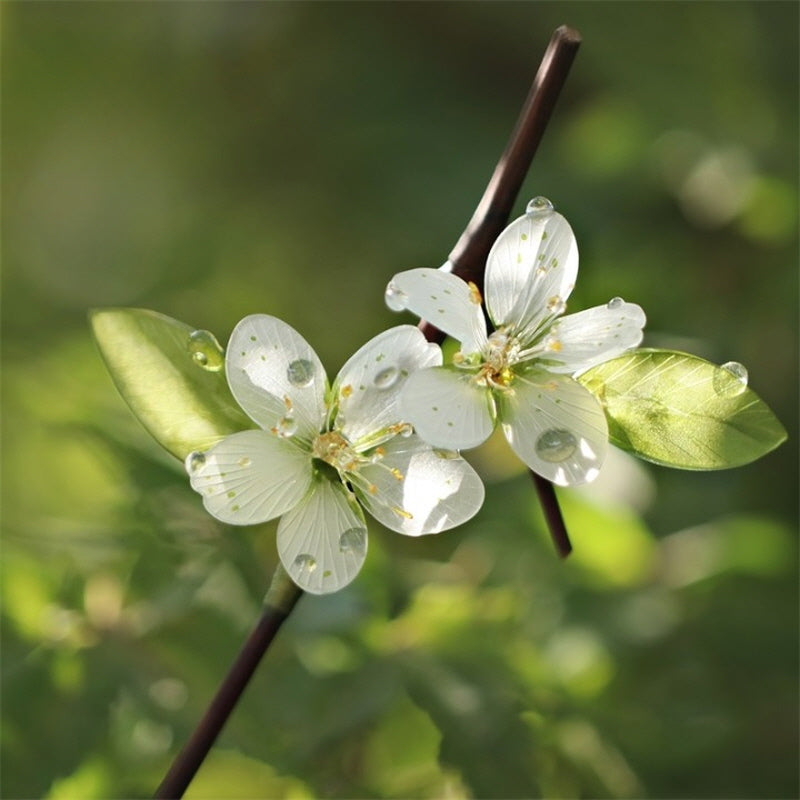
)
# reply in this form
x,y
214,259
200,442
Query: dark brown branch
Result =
x,y
280,600
469,255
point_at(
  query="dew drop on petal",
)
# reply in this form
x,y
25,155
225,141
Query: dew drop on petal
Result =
x,y
730,379
206,351
287,426
305,563
556,445
195,460
300,372
386,378
406,430
244,461
446,455
396,299
353,540
615,302
539,208
556,305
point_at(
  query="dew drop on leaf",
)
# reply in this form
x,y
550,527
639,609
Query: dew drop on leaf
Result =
x,y
556,445
539,208
300,373
730,379
206,351
195,460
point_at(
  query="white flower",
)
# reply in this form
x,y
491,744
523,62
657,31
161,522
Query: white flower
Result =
x,y
320,448
520,375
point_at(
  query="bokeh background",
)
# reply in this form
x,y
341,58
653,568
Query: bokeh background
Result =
x,y
210,160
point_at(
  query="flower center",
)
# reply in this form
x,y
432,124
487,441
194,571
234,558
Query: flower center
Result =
x,y
334,449
500,353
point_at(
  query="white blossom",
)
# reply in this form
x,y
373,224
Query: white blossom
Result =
x,y
321,453
522,374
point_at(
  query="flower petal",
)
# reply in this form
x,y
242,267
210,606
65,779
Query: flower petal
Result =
x,y
276,377
368,385
579,341
447,407
414,489
322,541
530,272
555,426
442,299
250,477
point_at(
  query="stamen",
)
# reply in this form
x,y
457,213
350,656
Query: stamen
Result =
x,y
474,293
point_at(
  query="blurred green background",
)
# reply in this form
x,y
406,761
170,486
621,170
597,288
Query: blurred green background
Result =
x,y
210,160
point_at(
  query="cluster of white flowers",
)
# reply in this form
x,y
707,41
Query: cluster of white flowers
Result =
x,y
385,435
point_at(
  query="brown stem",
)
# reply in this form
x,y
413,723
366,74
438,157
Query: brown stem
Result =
x,y
280,600
468,257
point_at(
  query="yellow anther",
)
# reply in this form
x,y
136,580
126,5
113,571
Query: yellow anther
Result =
x,y
347,390
287,402
372,489
474,293
402,512
396,474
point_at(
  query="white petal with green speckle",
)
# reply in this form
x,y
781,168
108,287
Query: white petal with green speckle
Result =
x,y
276,377
448,408
322,542
250,477
556,426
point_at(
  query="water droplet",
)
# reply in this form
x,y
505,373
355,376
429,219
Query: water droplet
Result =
x,y
353,540
539,208
406,430
206,351
195,460
615,302
396,299
730,379
556,305
556,445
305,563
287,426
244,461
386,378
446,455
300,372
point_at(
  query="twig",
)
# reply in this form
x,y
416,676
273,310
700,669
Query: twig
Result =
x,y
469,255
280,600
469,261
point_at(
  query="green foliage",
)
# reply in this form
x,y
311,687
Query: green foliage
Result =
x,y
213,160
171,376
682,411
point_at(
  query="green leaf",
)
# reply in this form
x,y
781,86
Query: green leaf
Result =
x,y
682,411
171,376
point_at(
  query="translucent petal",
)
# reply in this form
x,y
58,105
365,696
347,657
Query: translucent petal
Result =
x,y
322,542
368,385
448,408
444,300
530,272
579,341
556,426
250,477
276,377
414,489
